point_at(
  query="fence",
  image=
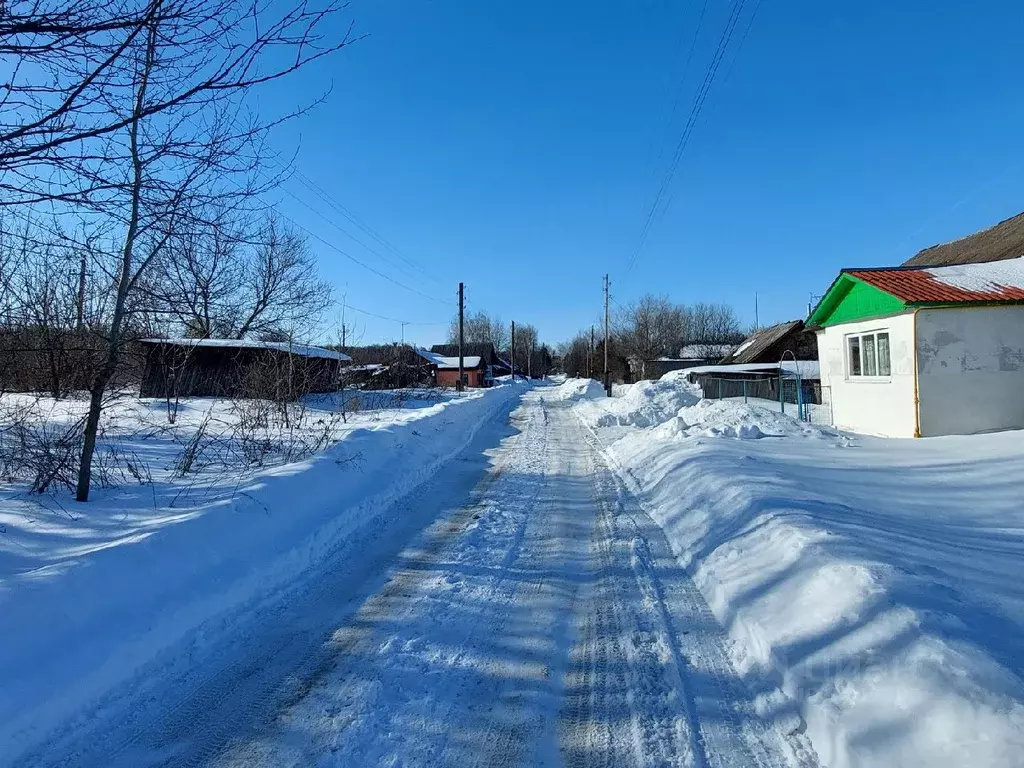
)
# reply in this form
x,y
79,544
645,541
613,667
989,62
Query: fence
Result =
x,y
804,399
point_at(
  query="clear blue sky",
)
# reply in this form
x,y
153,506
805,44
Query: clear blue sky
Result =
x,y
518,147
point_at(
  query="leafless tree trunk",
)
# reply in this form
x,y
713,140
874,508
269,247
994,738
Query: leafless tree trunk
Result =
x,y
190,64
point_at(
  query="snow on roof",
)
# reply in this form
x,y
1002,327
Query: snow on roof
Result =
x,y
444,362
808,369
281,346
468,361
959,283
990,277
705,351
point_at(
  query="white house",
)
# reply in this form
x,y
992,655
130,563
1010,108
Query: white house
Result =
x,y
924,351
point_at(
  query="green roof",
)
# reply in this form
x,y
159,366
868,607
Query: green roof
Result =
x,y
850,299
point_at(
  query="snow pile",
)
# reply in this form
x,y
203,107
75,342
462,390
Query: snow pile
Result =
x,y
572,390
644,404
878,582
92,594
733,419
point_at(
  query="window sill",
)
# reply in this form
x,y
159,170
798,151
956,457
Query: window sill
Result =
x,y
868,379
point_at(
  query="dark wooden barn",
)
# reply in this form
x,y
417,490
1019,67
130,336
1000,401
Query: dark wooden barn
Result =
x,y
387,366
237,368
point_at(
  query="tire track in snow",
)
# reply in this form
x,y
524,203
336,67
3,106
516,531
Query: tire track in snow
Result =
x,y
720,706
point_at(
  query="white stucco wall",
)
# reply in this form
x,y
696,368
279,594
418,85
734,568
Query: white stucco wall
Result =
x,y
970,369
872,406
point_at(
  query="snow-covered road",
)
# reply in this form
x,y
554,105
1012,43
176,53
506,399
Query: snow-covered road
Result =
x,y
541,619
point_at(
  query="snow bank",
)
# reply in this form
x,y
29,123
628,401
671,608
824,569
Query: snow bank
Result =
x,y
731,418
89,594
875,584
644,404
572,390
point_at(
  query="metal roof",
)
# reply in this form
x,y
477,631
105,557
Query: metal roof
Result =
x,y
302,350
996,281
808,369
445,362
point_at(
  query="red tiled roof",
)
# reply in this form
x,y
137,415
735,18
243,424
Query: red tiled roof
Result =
x,y
994,282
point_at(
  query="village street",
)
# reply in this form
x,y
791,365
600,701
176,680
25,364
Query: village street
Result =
x,y
540,620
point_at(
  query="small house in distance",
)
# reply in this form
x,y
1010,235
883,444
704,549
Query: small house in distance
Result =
x,y
478,362
236,368
763,367
690,356
924,351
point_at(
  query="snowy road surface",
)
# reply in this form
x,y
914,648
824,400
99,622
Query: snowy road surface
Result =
x,y
540,619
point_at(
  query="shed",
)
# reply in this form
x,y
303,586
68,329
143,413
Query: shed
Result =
x,y
769,345
924,351
237,368
387,366
479,374
475,370
690,356
753,366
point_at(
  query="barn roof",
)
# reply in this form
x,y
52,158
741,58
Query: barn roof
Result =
x,y
760,341
302,350
478,349
1003,241
447,363
990,282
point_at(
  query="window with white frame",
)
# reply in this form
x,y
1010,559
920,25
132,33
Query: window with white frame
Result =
x,y
867,355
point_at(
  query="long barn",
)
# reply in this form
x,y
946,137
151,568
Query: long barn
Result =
x,y
237,368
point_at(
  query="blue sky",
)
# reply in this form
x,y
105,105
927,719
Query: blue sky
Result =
x,y
519,146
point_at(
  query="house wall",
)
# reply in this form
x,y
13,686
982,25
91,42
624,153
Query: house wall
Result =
x,y
450,377
872,406
970,369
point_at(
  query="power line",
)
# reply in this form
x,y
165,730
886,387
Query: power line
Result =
x,y
353,259
333,202
384,317
366,228
348,234
682,80
698,104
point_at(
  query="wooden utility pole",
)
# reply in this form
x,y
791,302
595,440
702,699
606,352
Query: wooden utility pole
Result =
x,y
512,352
462,308
607,378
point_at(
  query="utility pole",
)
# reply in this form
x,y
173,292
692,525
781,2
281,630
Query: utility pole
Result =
x,y
512,352
462,308
404,323
607,378
81,293
757,324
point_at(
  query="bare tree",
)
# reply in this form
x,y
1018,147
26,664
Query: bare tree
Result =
x,y
72,60
170,136
526,345
650,328
480,328
282,289
709,326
